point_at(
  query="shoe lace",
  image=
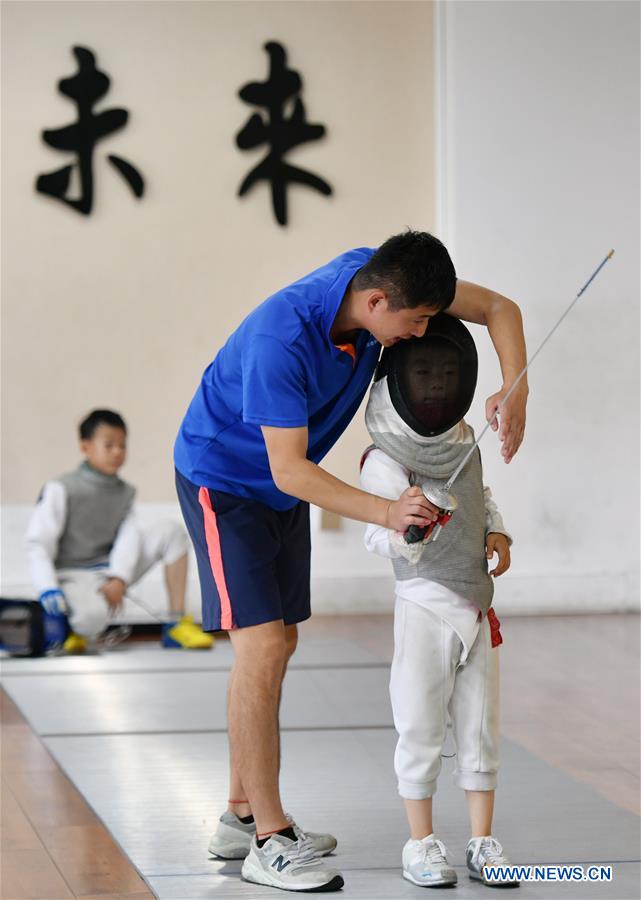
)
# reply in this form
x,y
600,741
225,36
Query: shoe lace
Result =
x,y
302,853
493,850
434,853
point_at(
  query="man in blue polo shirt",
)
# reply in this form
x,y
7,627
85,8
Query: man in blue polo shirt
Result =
x,y
268,409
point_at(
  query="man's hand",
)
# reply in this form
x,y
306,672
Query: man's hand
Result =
x,y
474,303
297,476
498,543
411,508
511,418
114,591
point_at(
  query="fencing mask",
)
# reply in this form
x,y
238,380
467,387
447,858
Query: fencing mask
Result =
x,y
431,380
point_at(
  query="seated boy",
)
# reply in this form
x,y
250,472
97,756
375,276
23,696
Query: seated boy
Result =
x,y
446,635
85,548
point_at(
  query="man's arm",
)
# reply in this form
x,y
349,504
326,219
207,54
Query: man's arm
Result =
x,y
297,476
502,317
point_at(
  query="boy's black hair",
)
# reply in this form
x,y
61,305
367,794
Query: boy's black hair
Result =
x,y
413,268
100,417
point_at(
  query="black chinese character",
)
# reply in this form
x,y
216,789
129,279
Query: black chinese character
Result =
x,y
85,88
280,132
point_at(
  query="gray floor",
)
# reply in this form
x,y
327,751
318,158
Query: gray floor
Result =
x,y
151,657
135,702
119,731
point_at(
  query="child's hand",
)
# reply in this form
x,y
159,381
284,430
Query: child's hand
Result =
x,y
498,543
114,591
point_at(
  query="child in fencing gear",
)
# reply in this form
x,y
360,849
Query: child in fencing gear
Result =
x,y
446,634
85,547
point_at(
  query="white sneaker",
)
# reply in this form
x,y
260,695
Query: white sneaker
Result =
x,y
322,843
425,863
232,839
486,851
289,865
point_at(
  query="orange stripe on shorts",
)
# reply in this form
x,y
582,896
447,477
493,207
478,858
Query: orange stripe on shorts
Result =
x,y
215,558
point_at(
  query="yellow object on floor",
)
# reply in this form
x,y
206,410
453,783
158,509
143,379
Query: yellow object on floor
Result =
x,y
74,644
187,634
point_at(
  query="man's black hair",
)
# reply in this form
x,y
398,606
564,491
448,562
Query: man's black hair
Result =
x,y
100,417
413,268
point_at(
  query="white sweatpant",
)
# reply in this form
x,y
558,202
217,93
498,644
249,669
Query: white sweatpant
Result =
x,y
427,682
88,610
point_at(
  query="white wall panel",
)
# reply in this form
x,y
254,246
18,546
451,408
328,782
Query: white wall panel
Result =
x,y
538,176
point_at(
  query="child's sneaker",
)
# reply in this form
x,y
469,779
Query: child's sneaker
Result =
x,y
486,851
74,644
425,863
232,838
289,865
186,634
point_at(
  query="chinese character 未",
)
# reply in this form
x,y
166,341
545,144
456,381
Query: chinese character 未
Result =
x,y
85,88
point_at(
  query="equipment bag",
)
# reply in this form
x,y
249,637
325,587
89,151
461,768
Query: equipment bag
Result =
x,y
22,627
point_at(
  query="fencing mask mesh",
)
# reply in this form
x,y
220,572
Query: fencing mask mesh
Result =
x,y
432,379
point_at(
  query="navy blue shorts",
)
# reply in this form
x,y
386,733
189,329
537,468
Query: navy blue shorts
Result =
x,y
253,561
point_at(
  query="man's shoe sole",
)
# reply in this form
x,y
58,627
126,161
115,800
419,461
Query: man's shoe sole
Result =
x,y
433,884
334,885
262,877
232,853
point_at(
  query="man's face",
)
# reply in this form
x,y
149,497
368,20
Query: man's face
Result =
x,y
390,326
106,450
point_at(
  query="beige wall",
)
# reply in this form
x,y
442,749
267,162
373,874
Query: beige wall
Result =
x,y
125,308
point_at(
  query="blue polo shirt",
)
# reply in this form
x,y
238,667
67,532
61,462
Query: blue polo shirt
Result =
x,y
278,368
